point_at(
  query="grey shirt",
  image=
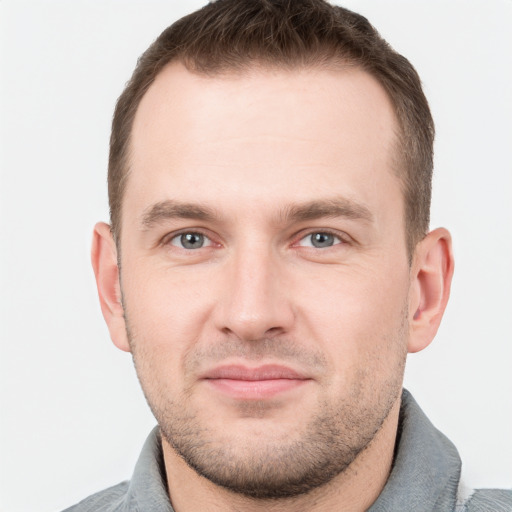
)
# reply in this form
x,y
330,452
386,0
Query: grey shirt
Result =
x,y
424,478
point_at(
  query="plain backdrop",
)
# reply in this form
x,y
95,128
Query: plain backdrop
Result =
x,y
72,416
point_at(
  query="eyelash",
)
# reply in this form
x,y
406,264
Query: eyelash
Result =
x,y
168,239
341,237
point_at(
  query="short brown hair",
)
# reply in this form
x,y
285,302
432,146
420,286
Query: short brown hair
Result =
x,y
230,35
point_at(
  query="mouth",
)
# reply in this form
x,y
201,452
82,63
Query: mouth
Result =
x,y
263,382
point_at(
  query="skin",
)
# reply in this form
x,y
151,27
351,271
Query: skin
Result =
x,y
257,163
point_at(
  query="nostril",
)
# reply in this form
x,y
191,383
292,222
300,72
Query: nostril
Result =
x,y
273,331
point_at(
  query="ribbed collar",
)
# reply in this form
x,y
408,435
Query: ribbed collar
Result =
x,y
426,469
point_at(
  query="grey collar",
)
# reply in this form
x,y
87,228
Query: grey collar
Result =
x,y
426,469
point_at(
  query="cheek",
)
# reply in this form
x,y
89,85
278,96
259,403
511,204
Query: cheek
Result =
x,y
357,315
165,312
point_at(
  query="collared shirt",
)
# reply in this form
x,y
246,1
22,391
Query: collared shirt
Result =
x,y
424,477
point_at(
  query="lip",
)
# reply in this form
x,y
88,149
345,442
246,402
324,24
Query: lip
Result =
x,y
244,383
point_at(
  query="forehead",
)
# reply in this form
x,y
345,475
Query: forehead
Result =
x,y
264,135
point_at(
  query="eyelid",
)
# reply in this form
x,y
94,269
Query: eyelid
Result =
x,y
175,241
169,237
340,235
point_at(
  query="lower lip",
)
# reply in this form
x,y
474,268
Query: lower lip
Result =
x,y
255,389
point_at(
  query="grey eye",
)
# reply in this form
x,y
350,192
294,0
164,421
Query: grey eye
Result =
x,y
190,240
322,240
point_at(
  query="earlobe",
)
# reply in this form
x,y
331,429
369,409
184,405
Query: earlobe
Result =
x,y
106,271
432,272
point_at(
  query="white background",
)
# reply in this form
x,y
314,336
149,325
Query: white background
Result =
x,y
72,416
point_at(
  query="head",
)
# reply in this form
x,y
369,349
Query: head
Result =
x,y
229,36
269,184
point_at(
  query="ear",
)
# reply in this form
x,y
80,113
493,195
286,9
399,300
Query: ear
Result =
x,y
106,271
431,278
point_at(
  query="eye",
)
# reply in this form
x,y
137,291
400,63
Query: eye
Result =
x,y
320,240
191,240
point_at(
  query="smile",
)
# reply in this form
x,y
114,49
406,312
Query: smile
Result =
x,y
259,383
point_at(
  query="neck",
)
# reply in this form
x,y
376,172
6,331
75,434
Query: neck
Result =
x,y
355,489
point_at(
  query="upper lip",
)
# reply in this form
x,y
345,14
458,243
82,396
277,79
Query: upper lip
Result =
x,y
264,372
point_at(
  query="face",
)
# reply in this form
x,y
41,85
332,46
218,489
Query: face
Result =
x,y
264,274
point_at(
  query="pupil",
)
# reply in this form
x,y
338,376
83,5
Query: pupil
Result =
x,y
322,239
192,240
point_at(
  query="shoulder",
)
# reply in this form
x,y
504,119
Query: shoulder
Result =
x,y
108,500
489,500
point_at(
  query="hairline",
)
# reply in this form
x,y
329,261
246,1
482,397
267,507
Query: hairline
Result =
x,y
397,159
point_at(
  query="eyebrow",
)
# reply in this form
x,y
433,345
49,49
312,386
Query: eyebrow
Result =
x,y
169,209
327,208
324,208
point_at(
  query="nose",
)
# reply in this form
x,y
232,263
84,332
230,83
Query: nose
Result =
x,y
254,301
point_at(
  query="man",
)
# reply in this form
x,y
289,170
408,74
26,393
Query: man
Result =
x,y
268,266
